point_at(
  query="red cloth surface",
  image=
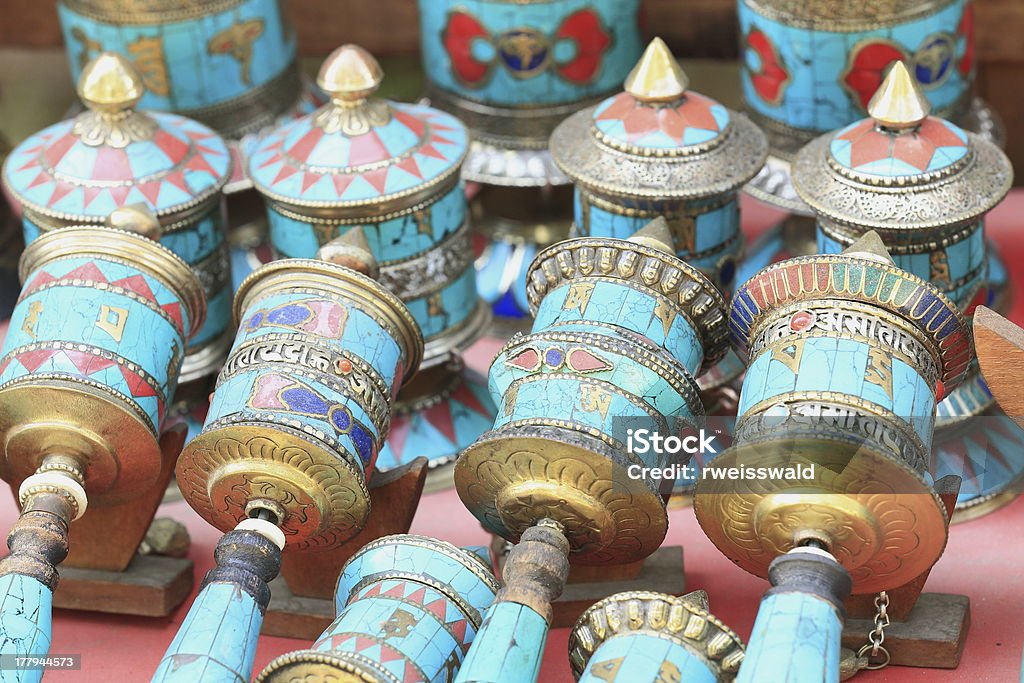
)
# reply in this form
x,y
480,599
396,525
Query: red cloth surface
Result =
x,y
983,561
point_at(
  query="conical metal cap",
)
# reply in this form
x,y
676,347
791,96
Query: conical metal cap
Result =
x,y
870,247
350,74
351,250
899,104
110,83
658,76
656,235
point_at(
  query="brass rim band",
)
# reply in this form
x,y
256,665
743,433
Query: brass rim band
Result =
x,y
844,17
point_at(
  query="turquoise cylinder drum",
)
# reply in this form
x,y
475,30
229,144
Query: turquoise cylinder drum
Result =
x,y
230,64
78,171
92,356
921,182
847,357
645,637
513,70
813,67
303,403
621,328
392,170
408,609
658,149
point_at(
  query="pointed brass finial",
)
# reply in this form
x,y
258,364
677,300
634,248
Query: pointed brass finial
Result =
x,y
658,76
351,250
110,84
656,235
698,599
899,104
871,247
350,74
137,218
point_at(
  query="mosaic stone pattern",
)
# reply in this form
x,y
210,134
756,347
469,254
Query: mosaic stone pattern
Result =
x,y
217,641
822,79
795,633
515,54
25,624
696,120
642,657
301,163
211,58
936,146
102,321
515,636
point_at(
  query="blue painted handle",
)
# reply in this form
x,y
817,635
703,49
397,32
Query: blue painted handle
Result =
x,y
508,648
796,639
25,624
217,641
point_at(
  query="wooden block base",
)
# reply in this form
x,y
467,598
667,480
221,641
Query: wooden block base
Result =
x,y
292,616
151,586
661,572
932,636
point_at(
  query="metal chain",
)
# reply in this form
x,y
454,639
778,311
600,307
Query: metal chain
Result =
x,y
878,656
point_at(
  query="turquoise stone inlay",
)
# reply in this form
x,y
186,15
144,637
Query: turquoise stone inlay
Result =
x,y
515,636
217,641
26,613
633,657
630,308
935,146
796,639
820,80
516,54
695,120
209,58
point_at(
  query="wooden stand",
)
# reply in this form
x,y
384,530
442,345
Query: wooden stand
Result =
x,y
151,586
1000,346
302,598
926,630
661,572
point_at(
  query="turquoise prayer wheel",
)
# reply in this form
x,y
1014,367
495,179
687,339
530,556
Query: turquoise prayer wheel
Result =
x,y
303,403
296,421
848,355
621,329
659,149
645,637
408,609
812,67
391,169
230,64
923,183
88,368
847,358
113,155
513,70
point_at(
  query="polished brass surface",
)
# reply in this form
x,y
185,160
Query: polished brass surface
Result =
x,y
657,77
899,104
